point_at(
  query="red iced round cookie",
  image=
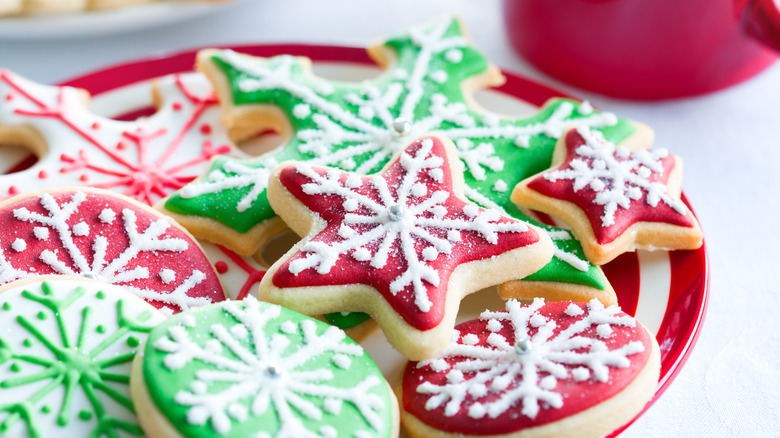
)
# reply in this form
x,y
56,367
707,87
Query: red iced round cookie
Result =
x,y
546,369
108,237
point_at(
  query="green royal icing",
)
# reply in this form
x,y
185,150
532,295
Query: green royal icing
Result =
x,y
246,368
354,126
66,365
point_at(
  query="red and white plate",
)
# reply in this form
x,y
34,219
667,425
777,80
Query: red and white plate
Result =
x,y
666,291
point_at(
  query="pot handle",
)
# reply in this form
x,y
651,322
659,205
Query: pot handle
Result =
x,y
761,20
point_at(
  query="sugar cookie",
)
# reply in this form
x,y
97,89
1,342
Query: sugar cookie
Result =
x,y
146,159
557,369
66,350
97,234
402,245
615,200
248,368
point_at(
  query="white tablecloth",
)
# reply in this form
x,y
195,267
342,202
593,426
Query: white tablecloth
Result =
x,y
729,140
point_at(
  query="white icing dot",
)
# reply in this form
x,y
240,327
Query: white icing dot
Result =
x,y
453,235
342,361
548,383
439,365
41,233
439,211
585,108
348,164
580,374
501,382
346,232
430,253
470,339
188,320
19,245
238,411
439,76
361,255
301,111
354,181
324,88
494,325
478,389
81,229
239,331
477,410
574,310
455,376
351,204
419,190
470,210
604,330
332,405
288,327
328,432
366,112
199,387
107,216
167,276
500,186
537,320
523,141
436,174
454,56
491,120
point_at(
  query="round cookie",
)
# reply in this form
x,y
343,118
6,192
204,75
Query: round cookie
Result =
x,y
66,348
248,368
557,369
109,237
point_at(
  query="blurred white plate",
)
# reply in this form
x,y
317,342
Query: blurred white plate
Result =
x,y
111,21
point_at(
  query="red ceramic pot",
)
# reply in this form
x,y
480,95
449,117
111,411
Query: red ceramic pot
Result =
x,y
646,49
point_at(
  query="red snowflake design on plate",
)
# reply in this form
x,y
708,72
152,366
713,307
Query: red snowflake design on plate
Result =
x,y
402,231
526,366
613,186
104,237
146,159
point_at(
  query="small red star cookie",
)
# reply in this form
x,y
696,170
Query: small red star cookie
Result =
x,y
615,200
403,245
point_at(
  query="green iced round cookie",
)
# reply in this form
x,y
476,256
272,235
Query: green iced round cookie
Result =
x,y
248,368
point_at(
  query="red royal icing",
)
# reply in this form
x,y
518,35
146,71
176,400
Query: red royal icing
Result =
x,y
585,197
473,341
110,239
469,245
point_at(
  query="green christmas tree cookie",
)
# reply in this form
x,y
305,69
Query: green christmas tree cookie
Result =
x,y
431,73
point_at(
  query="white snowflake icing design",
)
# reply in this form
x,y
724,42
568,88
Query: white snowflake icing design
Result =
x,y
141,244
241,176
260,367
617,175
413,218
524,369
398,109
146,159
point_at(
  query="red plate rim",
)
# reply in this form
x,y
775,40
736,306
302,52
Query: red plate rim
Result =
x,y
689,289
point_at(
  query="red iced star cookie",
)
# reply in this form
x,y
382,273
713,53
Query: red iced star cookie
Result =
x,y
107,237
402,245
615,200
557,369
